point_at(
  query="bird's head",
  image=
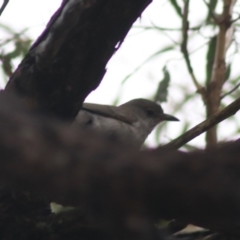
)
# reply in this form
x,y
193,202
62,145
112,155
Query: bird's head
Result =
x,y
148,111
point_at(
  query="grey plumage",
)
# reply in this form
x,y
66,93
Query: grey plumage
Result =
x,y
130,122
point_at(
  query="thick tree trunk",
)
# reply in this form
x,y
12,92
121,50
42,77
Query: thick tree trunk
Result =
x,y
69,59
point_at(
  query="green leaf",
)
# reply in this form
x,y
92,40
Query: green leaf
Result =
x,y
235,80
176,7
211,8
210,58
6,65
162,91
228,72
7,28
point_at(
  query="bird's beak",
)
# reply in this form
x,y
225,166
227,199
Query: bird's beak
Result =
x,y
168,117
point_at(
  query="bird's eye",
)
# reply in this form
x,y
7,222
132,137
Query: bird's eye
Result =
x,y
150,112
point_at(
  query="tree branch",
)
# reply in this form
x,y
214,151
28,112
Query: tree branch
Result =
x,y
184,49
212,121
122,190
68,60
214,87
5,3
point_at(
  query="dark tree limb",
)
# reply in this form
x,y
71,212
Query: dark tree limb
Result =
x,y
122,189
4,4
68,60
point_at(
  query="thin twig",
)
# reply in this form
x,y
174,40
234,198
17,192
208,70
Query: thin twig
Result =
x,y
235,20
231,91
212,13
5,2
185,28
216,118
166,29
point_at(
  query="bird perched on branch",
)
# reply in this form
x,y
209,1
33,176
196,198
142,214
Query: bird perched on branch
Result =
x,y
130,122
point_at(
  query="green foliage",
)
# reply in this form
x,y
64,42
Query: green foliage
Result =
x,y
176,7
228,72
14,46
211,8
210,57
162,91
201,41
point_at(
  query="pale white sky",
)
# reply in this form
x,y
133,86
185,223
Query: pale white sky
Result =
x,y
138,46
34,14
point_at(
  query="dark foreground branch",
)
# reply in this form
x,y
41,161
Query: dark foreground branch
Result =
x,y
4,4
68,60
121,189
227,112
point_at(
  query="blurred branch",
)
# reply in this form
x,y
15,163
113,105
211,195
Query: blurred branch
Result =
x,y
185,28
5,2
166,29
214,86
157,28
231,91
211,7
118,187
212,121
236,19
14,37
21,47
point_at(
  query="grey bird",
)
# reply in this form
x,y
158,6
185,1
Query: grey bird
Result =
x,y
130,122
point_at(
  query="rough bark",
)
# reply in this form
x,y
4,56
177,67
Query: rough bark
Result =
x,y
69,59
122,190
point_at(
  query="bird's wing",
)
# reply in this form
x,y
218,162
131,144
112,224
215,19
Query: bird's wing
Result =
x,y
107,111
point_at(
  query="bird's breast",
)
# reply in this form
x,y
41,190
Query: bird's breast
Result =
x,y
131,134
